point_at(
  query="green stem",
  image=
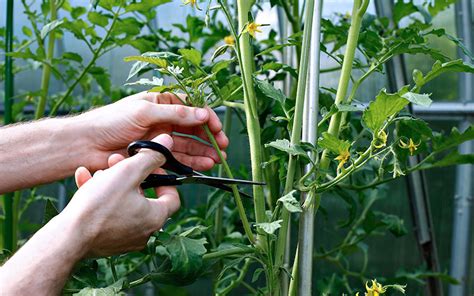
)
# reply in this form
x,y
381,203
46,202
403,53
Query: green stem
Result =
x,y
220,209
95,56
235,191
253,125
8,225
358,11
228,252
296,131
234,283
46,75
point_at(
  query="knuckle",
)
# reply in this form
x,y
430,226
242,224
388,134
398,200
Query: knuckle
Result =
x,y
140,108
181,111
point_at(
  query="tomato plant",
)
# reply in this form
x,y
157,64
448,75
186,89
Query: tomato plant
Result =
x,y
220,60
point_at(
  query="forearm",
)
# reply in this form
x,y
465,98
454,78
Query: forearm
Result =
x,y
41,152
44,263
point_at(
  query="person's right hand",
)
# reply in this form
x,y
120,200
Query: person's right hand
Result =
x,y
113,214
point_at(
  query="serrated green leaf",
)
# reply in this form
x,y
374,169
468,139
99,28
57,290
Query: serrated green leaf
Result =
x,y
191,55
436,6
221,65
151,60
98,19
418,99
455,138
290,203
145,6
50,27
384,106
440,68
78,11
270,91
414,128
333,143
72,56
285,146
454,158
185,254
269,227
112,290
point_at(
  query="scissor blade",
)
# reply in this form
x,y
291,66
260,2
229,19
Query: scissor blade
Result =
x,y
208,180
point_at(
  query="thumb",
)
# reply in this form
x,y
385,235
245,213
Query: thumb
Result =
x,y
82,175
146,161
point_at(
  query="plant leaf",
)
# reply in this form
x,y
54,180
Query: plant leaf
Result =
x,y
455,138
440,68
418,99
290,203
151,60
98,19
333,143
145,6
185,254
191,55
285,146
454,158
384,106
269,227
49,27
270,91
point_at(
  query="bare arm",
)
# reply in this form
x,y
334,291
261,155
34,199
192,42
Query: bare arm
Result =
x,y
107,215
48,150
41,152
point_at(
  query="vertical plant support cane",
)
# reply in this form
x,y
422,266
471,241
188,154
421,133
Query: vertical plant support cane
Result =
x,y
8,225
304,268
295,138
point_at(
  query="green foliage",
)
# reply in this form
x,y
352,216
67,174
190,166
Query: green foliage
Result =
x,y
211,240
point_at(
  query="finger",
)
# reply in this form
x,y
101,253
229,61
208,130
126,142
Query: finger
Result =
x,y
194,148
139,166
114,159
214,122
198,163
98,172
174,114
221,138
163,98
82,175
164,206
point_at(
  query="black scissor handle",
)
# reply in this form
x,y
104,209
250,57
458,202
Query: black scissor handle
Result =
x,y
171,164
158,180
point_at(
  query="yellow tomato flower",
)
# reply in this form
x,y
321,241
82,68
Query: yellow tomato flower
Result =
x,y
192,3
381,140
375,290
343,157
410,145
253,28
229,40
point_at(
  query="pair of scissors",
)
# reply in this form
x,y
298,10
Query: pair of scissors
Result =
x,y
185,174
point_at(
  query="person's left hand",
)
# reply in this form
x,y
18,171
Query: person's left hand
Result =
x,y
145,115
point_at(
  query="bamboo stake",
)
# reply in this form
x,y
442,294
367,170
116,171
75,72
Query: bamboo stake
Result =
x,y
295,135
304,273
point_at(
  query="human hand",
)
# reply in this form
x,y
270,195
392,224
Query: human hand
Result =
x,y
113,214
143,116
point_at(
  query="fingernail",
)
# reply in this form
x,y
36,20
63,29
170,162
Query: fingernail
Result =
x,y
201,114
